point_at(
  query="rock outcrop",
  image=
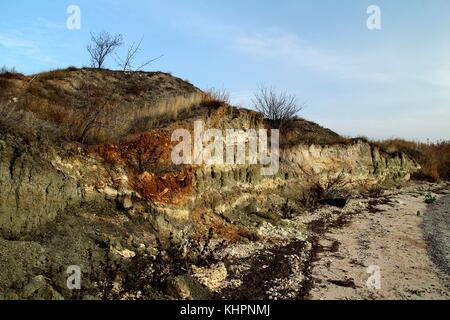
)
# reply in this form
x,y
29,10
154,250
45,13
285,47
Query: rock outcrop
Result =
x,y
33,192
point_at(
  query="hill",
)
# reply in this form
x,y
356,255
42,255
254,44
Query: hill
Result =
x,y
87,179
62,105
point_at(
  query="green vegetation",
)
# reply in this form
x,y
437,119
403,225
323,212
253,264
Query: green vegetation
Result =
x,y
430,198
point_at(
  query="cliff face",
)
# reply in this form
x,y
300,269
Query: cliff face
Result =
x,y
360,163
64,203
139,175
33,192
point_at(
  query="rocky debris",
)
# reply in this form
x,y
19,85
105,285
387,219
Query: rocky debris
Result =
x,y
290,288
212,277
186,288
126,254
110,193
283,270
276,272
39,289
127,202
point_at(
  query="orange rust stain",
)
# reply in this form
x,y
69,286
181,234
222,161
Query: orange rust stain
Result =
x,y
147,158
171,187
148,150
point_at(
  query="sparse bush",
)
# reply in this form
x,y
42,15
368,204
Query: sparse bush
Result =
x,y
375,192
334,187
430,198
287,211
276,107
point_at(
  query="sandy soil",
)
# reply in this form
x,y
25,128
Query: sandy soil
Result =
x,y
408,240
395,233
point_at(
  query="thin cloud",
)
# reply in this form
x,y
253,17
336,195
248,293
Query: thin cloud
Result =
x,y
46,23
17,48
291,49
10,42
279,46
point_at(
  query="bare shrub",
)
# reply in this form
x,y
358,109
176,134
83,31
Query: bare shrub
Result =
x,y
89,117
276,107
103,45
127,63
334,187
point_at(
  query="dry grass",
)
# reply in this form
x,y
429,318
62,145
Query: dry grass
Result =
x,y
124,120
170,108
221,95
98,107
433,157
91,118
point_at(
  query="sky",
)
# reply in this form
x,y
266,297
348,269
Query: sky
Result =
x,y
388,83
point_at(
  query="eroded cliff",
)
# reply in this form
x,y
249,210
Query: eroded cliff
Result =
x,y
71,203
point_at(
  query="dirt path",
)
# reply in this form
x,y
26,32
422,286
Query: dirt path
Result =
x,y
388,235
403,242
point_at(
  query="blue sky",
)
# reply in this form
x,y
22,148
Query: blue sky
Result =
x,y
393,82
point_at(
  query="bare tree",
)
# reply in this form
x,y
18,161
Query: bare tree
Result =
x,y
103,45
127,64
277,107
92,109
